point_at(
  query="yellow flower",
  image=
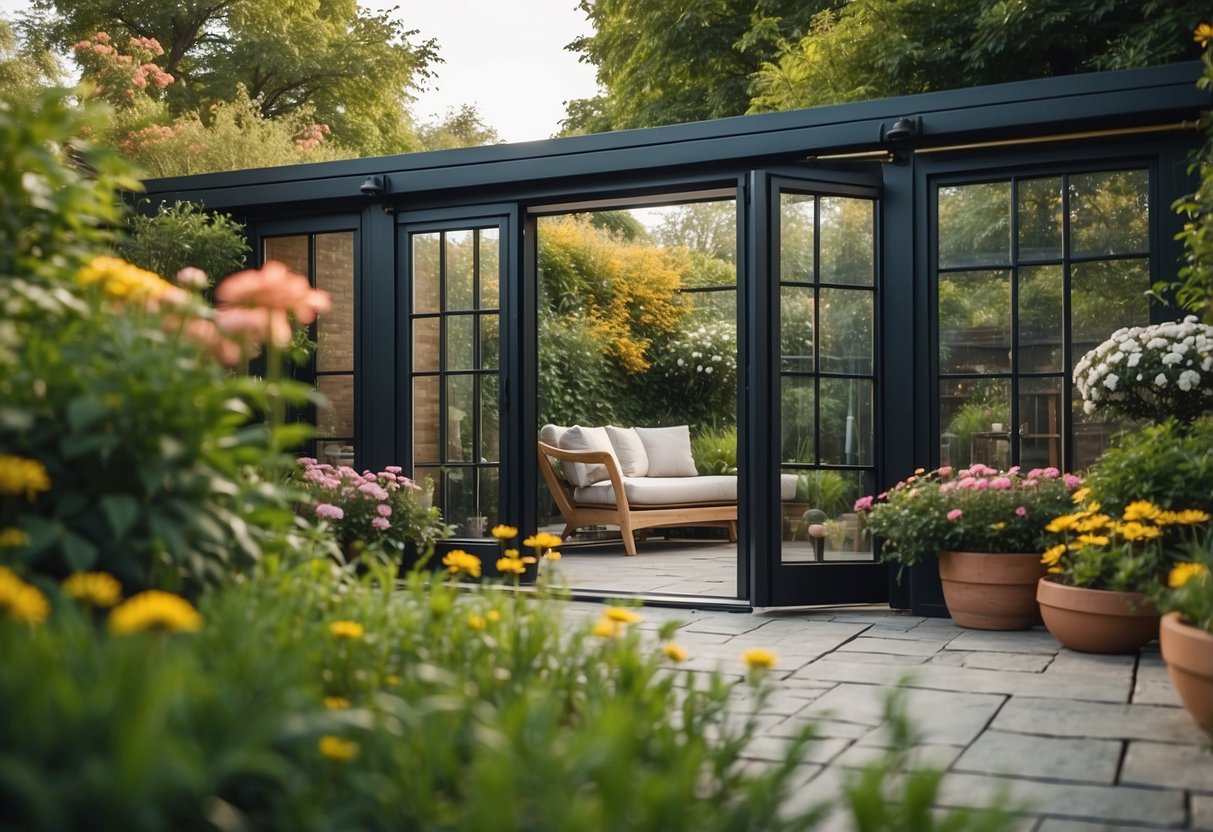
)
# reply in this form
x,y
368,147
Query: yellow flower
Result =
x,y
12,537
349,630
1080,495
1186,517
1053,554
124,281
674,652
1092,540
1184,572
476,622
457,561
154,610
606,628
20,600
393,679
1134,531
1203,34
999,526
1141,510
22,476
336,703
542,540
493,615
757,658
1093,523
1054,570
1062,523
552,555
337,749
623,615
504,532
97,589
511,566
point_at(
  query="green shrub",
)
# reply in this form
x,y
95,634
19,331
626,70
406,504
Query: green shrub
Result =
x,y
715,450
1170,464
181,235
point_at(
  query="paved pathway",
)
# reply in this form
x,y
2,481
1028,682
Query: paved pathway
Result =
x,y
1087,742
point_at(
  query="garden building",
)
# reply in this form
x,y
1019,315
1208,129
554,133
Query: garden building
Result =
x,y
827,298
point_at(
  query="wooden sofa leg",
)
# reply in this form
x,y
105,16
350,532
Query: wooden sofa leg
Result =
x,y
629,542
732,531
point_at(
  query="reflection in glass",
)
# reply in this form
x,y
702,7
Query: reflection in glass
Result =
x,y
1041,313
337,419
797,419
975,321
847,248
490,268
846,421
490,341
1092,432
426,350
1105,296
490,418
1040,228
796,257
1040,423
975,225
427,283
426,420
459,501
1109,213
460,410
291,251
489,489
459,329
335,328
818,520
975,415
796,328
459,270
846,331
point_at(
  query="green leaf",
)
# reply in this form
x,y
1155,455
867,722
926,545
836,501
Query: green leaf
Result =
x,y
79,553
85,411
75,446
121,510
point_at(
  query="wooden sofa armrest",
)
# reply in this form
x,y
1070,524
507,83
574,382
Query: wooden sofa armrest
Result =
x,y
604,458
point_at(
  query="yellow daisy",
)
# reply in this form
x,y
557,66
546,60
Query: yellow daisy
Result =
x,y
337,749
154,610
504,532
675,652
623,615
349,630
97,589
756,658
21,601
1184,572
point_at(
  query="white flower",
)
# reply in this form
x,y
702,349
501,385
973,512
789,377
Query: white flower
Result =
x,y
699,369
1156,343
1188,379
680,362
1134,359
1207,364
1160,380
1115,357
1088,406
1171,359
708,371
1110,381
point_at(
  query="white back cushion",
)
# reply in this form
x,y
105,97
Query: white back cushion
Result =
x,y
578,438
669,451
629,450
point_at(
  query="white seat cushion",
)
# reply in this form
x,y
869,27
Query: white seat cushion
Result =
x,y
662,491
787,487
669,451
629,450
578,438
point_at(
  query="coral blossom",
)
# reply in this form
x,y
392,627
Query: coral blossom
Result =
x,y
256,303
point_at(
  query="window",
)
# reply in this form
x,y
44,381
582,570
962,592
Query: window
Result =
x,y
1032,272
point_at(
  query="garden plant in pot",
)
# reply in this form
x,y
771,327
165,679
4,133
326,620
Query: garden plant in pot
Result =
x,y
1186,634
987,528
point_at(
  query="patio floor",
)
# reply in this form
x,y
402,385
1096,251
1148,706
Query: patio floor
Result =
x,y
1080,742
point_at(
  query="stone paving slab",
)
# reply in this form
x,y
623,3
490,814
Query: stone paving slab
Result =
x,y
1169,766
946,717
896,646
1063,825
1036,640
1020,662
1202,812
1053,758
1061,718
845,654
1071,661
931,755
1153,685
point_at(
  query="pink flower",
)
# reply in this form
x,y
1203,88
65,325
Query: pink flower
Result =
x,y
381,523
274,287
306,460
1072,481
1000,483
393,469
1021,512
966,482
955,514
1050,473
192,278
863,503
383,510
328,511
373,490
945,470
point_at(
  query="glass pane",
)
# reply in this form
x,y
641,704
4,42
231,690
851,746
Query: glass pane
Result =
x,y
460,286
975,225
335,328
459,329
425,421
420,475
290,251
490,268
460,411
796,238
1040,423
426,344
1040,319
975,322
796,328
846,331
490,342
847,247
490,419
846,421
797,423
717,305
975,415
490,488
336,421
1040,219
1110,213
1092,432
459,502
818,520
427,285
1104,296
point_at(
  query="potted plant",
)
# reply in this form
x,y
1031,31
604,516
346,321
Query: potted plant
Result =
x,y
1186,632
987,528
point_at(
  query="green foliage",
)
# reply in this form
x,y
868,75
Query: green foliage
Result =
x,y
715,450
1169,464
577,385
826,491
694,377
1189,589
26,70
463,127
183,234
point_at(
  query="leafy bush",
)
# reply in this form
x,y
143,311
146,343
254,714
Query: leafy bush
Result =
x,y
694,375
309,699
1189,589
577,384
1170,464
181,235
715,450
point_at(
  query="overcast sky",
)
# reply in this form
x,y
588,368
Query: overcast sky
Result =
x,y
506,57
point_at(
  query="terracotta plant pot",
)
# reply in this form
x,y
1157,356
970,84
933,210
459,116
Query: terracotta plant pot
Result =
x,y
1097,620
1188,652
987,591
